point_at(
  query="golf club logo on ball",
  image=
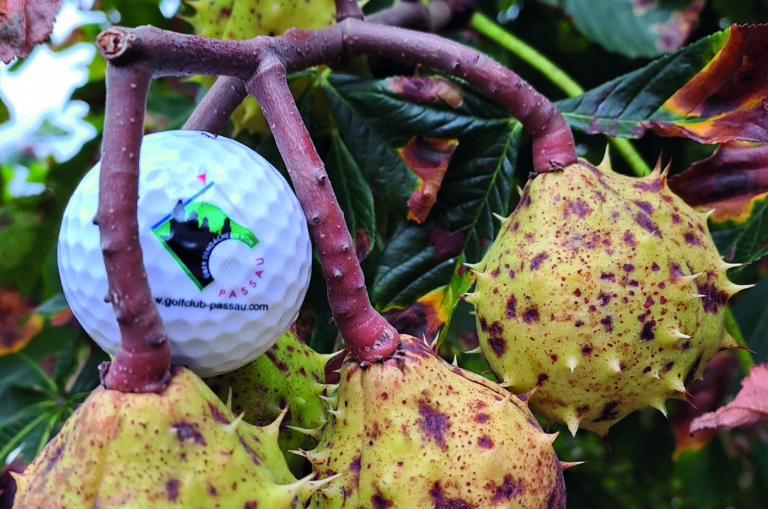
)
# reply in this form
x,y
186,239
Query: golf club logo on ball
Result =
x,y
193,229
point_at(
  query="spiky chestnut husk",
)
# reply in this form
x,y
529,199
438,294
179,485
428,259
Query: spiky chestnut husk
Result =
x,y
182,447
603,292
414,431
289,375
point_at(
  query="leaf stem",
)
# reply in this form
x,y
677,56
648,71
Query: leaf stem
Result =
x,y
550,70
744,356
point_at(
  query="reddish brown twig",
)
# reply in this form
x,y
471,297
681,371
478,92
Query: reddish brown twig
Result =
x,y
141,363
136,55
368,335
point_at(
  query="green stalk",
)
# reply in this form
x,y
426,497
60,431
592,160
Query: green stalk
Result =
x,y
744,356
549,69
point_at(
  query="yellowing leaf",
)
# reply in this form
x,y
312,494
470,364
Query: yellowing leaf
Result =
x,y
428,158
17,327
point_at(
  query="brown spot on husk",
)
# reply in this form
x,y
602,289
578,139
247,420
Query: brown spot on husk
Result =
x,y
578,207
187,431
609,412
378,501
217,415
646,223
498,344
279,364
536,261
713,299
507,490
645,206
654,185
481,418
691,239
441,502
172,490
531,315
485,442
433,424
607,323
648,332
511,303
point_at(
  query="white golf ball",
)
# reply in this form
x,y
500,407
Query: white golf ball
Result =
x,y
225,245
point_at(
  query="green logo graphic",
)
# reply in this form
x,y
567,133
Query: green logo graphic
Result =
x,y
193,229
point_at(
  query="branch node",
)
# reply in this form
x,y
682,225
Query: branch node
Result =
x,y
116,41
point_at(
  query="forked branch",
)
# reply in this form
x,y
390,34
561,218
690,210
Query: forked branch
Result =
x,y
259,66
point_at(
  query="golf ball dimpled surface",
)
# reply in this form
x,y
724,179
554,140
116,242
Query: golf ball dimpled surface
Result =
x,y
225,245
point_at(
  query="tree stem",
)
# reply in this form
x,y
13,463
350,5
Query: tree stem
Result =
x,y
368,335
262,63
143,360
557,76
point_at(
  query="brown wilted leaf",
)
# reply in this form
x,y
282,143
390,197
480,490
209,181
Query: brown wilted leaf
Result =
x,y
17,327
675,31
427,89
749,408
428,158
24,24
727,181
8,483
726,100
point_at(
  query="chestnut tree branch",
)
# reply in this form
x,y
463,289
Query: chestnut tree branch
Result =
x,y
213,112
367,334
142,361
137,55
348,9
170,53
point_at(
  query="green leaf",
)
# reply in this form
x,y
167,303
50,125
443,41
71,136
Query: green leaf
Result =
x,y
25,429
751,314
635,29
375,155
710,91
353,193
375,121
375,118
422,257
5,115
744,241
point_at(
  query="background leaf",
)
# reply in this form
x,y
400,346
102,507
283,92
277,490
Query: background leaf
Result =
x,y
744,240
711,91
23,25
634,28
